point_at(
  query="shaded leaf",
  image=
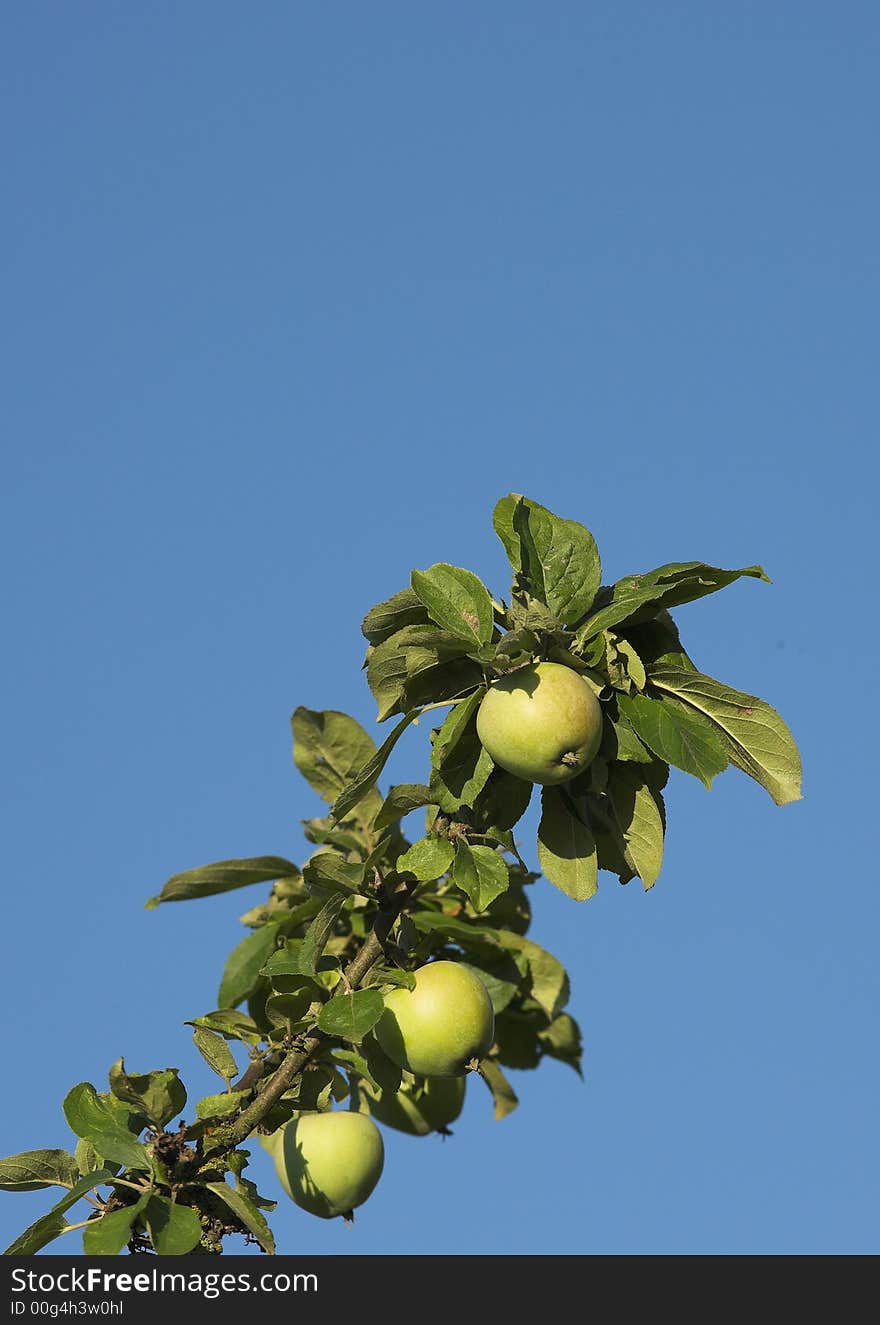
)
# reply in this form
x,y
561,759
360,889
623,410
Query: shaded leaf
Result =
x,y
460,765
516,1039
502,801
637,819
402,799
566,846
502,980
619,741
548,981
562,1040
460,931
392,666
243,965
382,1069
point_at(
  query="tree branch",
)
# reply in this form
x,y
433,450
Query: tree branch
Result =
x,y
372,949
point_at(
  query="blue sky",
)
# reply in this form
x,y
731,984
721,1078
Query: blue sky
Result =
x,y
292,295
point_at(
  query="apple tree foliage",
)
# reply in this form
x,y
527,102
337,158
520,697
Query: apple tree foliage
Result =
x,y
301,993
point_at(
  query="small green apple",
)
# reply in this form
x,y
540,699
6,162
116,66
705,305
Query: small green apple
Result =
x,y
436,1029
542,723
329,1163
418,1107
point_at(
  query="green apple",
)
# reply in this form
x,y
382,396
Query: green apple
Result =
x,y
418,1107
438,1027
329,1163
542,723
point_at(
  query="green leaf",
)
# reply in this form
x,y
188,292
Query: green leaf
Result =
x,y
675,735
393,664
243,965
87,1158
91,1117
667,586
556,559
516,1038
637,819
364,781
549,984
174,1229
328,749
400,801
427,859
753,734
220,1106
464,933
562,1040
503,1094
390,975
625,667
387,677
318,933
326,872
286,1009
502,980
215,1052
53,1224
457,600
386,619
34,1169
619,741
355,1065
566,846
350,1016
159,1095
221,877
480,873
382,1070
316,830
246,1212
234,1025
109,1234
460,766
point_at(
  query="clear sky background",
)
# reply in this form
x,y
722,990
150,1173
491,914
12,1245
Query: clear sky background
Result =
x,y
292,294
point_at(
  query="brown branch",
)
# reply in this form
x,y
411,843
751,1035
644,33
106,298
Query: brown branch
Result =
x,y
372,949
